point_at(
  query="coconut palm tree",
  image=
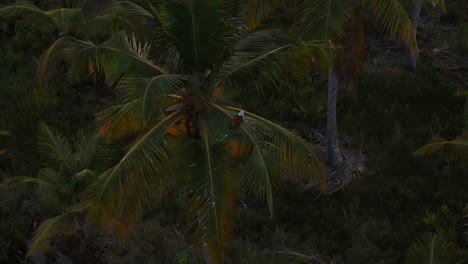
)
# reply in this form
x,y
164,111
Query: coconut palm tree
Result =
x,y
182,120
70,169
80,19
342,24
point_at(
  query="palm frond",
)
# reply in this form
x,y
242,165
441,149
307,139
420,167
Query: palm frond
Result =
x,y
433,248
48,230
60,17
93,152
150,93
198,30
393,18
257,11
108,23
323,19
454,149
50,59
152,159
121,120
260,51
23,8
63,17
212,193
277,155
56,148
52,189
122,56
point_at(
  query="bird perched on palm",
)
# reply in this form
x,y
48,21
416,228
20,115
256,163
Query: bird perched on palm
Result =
x,y
237,120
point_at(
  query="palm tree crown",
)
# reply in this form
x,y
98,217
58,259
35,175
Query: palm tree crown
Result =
x,y
208,54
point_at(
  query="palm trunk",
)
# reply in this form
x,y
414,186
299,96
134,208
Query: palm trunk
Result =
x,y
333,149
415,13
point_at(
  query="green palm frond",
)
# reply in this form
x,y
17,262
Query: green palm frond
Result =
x,y
433,248
393,18
74,3
261,51
108,22
121,120
56,148
141,8
48,230
323,19
212,194
277,155
198,30
52,189
457,148
150,93
117,57
50,59
61,18
256,11
121,56
152,159
93,152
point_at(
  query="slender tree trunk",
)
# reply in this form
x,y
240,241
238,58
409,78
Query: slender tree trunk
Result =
x,y
333,149
415,13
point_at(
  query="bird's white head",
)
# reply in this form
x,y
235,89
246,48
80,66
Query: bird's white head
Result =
x,y
241,113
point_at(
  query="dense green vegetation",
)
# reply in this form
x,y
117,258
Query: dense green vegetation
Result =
x,y
117,140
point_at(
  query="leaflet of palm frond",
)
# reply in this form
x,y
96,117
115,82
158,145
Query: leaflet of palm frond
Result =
x,y
74,3
141,9
212,193
123,220
433,248
121,56
393,18
53,193
63,18
56,148
299,60
119,121
232,11
93,152
48,230
50,60
323,19
354,54
150,93
94,8
237,147
81,57
108,23
257,11
80,181
260,52
198,30
456,149
151,159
